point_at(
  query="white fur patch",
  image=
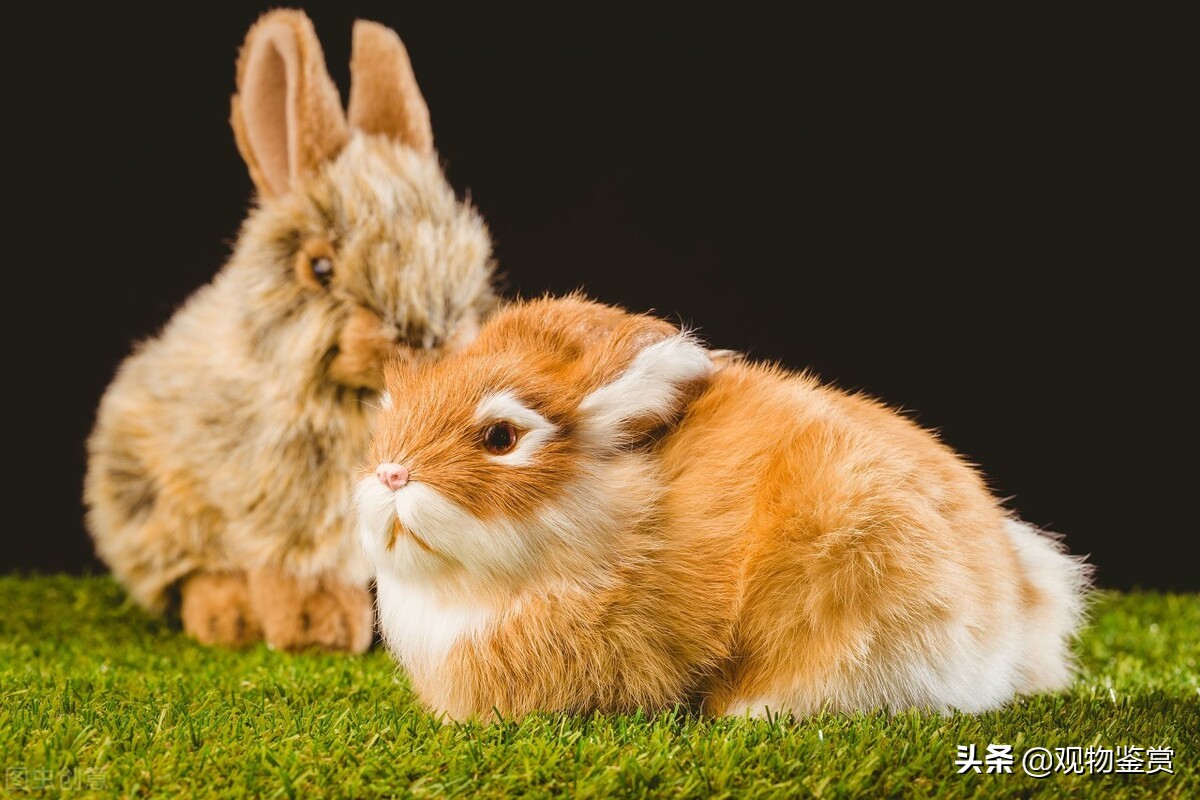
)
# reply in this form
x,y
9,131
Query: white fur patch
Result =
x,y
754,708
449,536
485,550
375,504
420,626
649,388
535,429
1063,582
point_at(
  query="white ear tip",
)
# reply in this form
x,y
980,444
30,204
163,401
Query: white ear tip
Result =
x,y
650,386
678,359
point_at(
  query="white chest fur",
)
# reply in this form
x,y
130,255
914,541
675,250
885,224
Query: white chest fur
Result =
x,y
422,628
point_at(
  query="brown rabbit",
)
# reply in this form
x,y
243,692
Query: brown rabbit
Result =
x,y
586,510
224,451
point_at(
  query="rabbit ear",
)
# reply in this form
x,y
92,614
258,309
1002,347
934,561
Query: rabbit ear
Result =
x,y
384,97
646,369
287,115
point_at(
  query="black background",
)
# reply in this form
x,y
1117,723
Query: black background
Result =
x,y
973,218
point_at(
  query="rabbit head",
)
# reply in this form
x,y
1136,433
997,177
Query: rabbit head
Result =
x,y
358,250
516,457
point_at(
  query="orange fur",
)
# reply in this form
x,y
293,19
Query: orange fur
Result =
x,y
769,539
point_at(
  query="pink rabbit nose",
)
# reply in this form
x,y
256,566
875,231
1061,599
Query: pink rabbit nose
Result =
x,y
392,476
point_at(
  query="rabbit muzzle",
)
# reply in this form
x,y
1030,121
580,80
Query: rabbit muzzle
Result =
x,y
364,344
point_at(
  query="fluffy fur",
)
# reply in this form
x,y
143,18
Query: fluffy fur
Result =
x,y
224,451
693,530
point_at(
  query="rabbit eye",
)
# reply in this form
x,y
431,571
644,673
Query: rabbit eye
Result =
x,y
500,438
322,270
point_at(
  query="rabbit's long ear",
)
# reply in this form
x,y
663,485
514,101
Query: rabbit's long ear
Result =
x,y
287,115
643,373
384,97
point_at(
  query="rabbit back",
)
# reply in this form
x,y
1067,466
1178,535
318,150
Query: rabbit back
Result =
x,y
878,569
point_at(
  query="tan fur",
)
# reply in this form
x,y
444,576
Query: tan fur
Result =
x,y
228,442
287,116
330,614
774,539
363,345
384,97
216,609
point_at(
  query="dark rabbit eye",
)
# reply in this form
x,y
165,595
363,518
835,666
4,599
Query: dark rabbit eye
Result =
x,y
322,270
500,438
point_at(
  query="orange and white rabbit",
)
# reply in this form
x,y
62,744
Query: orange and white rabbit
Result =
x,y
586,510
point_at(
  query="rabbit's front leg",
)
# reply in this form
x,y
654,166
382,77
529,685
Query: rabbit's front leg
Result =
x,y
216,609
298,613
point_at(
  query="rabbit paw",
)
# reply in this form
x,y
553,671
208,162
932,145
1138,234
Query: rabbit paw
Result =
x,y
298,613
216,609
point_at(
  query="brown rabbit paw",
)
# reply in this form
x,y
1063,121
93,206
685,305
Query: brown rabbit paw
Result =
x,y
302,613
215,609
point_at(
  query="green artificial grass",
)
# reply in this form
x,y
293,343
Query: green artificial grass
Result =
x,y
99,699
